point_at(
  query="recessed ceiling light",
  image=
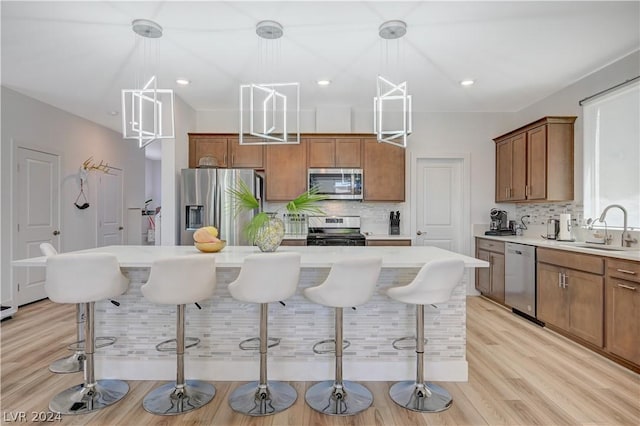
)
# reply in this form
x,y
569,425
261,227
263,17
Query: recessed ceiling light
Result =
x,y
183,81
114,113
467,82
324,82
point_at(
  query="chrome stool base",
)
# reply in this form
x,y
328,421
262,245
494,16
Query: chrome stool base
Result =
x,y
326,398
169,400
82,400
252,400
70,364
422,397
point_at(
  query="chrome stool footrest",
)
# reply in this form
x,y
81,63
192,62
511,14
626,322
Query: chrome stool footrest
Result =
x,y
164,346
250,345
79,345
345,345
398,347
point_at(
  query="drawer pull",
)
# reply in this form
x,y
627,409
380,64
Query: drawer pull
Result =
x,y
625,271
628,287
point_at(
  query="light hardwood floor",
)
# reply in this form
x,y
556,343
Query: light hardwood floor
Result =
x,y
519,374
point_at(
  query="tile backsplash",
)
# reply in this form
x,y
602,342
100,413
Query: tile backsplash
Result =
x,y
374,217
539,213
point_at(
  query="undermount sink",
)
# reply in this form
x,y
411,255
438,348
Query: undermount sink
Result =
x,y
602,247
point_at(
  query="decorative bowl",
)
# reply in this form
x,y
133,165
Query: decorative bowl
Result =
x,y
211,247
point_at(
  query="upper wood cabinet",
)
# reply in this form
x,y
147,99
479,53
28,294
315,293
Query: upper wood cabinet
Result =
x,y
334,152
535,162
285,171
226,149
286,166
383,169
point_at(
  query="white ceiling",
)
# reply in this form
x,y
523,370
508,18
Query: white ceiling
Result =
x,y
78,55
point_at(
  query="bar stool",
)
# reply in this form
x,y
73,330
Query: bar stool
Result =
x,y
86,278
350,283
75,362
178,281
433,284
265,278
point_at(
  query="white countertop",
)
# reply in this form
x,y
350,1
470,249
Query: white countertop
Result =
x,y
312,256
386,237
623,253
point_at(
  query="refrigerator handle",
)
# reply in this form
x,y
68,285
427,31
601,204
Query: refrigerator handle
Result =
x,y
217,204
259,189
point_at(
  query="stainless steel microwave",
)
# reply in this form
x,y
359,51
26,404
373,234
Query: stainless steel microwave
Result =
x,y
337,184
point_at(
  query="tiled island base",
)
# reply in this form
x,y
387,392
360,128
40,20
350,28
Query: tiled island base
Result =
x,y
223,322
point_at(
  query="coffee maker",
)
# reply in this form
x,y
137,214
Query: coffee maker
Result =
x,y
499,224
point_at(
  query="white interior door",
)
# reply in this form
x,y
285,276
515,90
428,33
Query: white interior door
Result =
x,y
110,215
37,197
440,202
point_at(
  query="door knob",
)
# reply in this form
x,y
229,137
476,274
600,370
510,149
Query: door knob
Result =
x,y
120,228
56,232
419,232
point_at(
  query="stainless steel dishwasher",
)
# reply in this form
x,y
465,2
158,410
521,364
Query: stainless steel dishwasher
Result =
x,y
520,279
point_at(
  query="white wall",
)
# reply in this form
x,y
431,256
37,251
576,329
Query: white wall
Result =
x,y
152,179
34,124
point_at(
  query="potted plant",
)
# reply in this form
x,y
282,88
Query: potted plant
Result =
x,y
266,230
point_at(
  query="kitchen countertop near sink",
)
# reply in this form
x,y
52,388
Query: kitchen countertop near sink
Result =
x,y
610,250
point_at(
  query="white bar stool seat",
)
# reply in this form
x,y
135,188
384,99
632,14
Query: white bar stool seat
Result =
x,y
350,283
86,278
265,278
433,284
178,281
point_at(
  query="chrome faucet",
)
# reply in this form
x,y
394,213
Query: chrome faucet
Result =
x,y
626,236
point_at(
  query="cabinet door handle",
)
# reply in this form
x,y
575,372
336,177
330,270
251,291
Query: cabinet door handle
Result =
x,y
559,279
564,281
232,158
624,271
526,190
628,287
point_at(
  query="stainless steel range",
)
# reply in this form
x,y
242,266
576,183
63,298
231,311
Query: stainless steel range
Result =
x,y
335,231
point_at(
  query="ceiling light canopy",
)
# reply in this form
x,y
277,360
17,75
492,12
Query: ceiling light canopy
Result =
x,y
392,30
146,28
269,29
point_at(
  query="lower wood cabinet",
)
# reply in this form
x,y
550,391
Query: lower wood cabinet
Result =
x,y
294,242
623,309
490,282
393,242
572,301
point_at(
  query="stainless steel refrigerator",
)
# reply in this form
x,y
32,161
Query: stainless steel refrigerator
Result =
x,y
205,201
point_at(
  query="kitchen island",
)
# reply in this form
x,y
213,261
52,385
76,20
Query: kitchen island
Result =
x,y
223,322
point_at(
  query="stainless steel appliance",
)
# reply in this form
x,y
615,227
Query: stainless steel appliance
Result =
x,y
520,279
553,228
205,201
499,224
337,184
335,231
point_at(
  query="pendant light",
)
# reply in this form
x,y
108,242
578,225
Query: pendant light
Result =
x,y
148,112
269,112
392,107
